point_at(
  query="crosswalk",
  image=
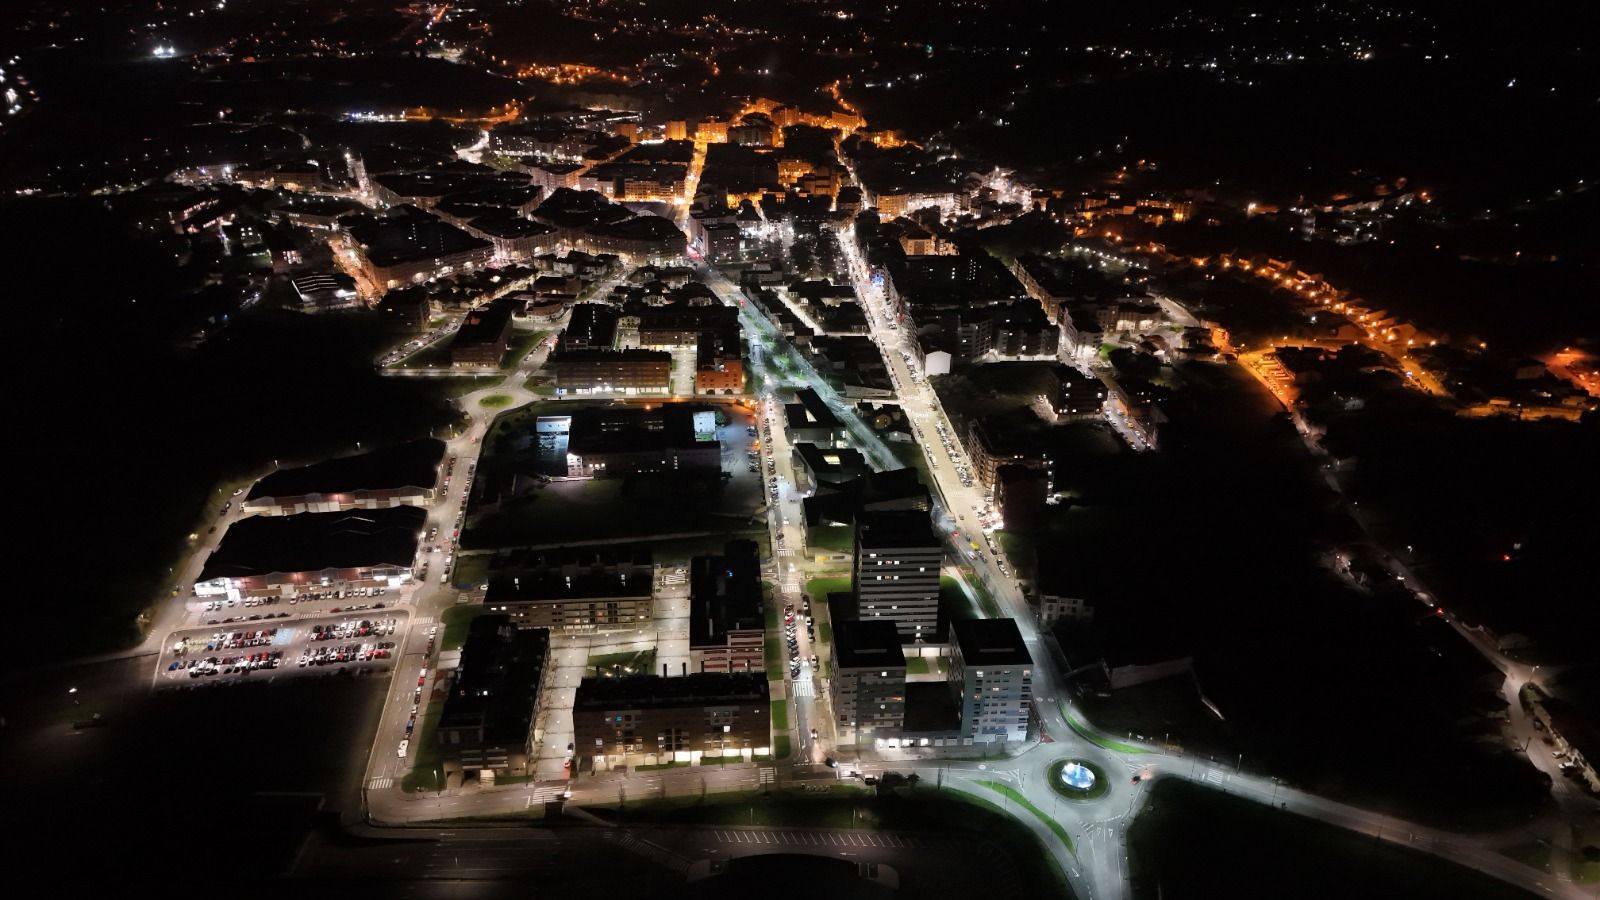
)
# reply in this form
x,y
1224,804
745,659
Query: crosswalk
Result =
x,y
805,687
545,795
1213,776
381,783
772,837
766,775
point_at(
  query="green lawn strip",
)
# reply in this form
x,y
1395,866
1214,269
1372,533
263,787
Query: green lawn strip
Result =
x,y
1584,871
424,751
722,760
1535,854
916,665
825,632
1089,735
1016,797
521,346
838,538
819,588
956,604
780,716
657,768
470,570
774,661
495,401
986,601
780,747
435,355
457,622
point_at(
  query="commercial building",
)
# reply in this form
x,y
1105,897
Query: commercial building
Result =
x,y
573,590
810,420
650,720
281,556
412,246
895,574
992,673
403,475
619,441
611,371
868,687
482,339
487,723
326,291
815,466
726,625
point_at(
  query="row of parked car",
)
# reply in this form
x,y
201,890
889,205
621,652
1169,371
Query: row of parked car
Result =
x,y
353,628
348,653
228,665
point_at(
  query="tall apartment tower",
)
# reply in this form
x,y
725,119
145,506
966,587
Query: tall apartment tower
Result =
x,y
868,687
896,571
991,668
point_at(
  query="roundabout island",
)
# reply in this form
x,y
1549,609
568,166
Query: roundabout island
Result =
x,y
1078,779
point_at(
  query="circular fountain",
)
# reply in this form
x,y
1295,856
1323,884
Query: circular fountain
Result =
x,y
1077,776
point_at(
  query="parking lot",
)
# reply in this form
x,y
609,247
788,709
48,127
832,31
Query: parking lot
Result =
x,y
357,642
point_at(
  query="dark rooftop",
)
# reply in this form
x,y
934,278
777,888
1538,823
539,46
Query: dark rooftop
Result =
x,y
896,528
311,542
700,688
724,593
414,464
865,643
990,642
497,684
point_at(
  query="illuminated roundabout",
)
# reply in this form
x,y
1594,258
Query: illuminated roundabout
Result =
x,y
1078,779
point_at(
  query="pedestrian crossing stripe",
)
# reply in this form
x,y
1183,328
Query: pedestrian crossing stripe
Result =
x,y
380,783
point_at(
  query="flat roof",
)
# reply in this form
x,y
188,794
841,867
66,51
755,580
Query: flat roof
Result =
x,y
413,464
653,691
990,642
497,684
896,528
555,585
484,325
930,710
810,411
868,643
624,428
725,593
312,542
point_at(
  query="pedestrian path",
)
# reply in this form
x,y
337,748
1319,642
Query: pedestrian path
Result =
x,y
794,838
649,851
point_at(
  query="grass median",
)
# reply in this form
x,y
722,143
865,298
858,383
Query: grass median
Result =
x,y
1104,743
1016,797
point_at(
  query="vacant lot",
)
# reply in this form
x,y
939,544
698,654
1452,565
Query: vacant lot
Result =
x,y
1190,842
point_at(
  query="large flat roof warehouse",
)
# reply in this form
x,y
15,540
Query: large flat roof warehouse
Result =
x,y
314,542
622,428
414,464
